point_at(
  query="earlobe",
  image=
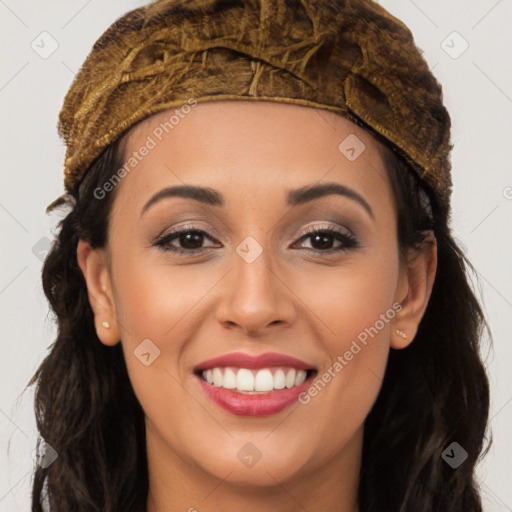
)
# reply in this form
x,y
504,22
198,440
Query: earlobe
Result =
x,y
93,264
418,281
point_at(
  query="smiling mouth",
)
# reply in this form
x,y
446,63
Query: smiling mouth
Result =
x,y
253,381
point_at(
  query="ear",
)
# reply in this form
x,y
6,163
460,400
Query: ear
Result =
x,y
93,263
413,292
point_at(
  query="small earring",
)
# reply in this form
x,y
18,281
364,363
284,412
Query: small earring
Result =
x,y
105,324
401,334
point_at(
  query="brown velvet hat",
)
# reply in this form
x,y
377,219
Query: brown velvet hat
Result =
x,y
350,57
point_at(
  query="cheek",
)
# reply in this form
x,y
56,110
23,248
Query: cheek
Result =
x,y
350,298
156,303
153,299
163,304
354,310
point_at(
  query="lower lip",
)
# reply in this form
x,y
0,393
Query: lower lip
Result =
x,y
243,404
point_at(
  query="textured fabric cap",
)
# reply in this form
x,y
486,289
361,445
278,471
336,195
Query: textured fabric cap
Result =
x,y
350,57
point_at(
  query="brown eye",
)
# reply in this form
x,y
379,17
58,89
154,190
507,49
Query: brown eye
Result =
x,y
190,240
322,239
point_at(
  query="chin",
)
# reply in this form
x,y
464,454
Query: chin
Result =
x,y
257,458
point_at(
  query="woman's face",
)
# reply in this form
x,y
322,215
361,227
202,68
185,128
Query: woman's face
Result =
x,y
254,283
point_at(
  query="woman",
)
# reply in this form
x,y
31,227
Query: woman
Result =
x,y
260,303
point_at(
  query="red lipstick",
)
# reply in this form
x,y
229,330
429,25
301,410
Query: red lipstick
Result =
x,y
267,360
254,403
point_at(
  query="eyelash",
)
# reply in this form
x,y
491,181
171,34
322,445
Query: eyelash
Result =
x,y
349,241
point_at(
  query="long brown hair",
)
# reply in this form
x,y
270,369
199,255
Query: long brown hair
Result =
x,y
434,392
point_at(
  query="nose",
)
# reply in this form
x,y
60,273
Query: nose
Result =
x,y
255,296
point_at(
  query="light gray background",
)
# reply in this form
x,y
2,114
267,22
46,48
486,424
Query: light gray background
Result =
x,y
477,85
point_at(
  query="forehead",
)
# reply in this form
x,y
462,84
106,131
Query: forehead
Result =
x,y
245,147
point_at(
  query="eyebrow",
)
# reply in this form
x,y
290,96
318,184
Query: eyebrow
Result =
x,y
294,198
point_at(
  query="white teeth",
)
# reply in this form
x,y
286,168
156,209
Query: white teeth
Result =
x,y
290,378
300,377
229,379
255,381
264,381
217,377
279,379
245,380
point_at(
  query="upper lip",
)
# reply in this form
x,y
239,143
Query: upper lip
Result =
x,y
242,360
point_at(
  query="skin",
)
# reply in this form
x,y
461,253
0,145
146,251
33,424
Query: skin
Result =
x,y
291,299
